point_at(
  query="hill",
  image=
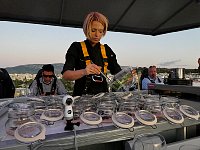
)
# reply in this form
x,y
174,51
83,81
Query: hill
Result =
x,y
32,68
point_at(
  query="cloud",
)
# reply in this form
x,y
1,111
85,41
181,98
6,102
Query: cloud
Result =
x,y
169,63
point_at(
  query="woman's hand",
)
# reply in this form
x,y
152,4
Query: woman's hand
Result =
x,y
92,69
77,74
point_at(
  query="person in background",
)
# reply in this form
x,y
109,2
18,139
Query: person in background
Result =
x,y
7,88
85,60
46,83
144,74
151,78
199,65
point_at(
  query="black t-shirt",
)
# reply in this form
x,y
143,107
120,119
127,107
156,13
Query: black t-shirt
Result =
x,y
199,69
7,88
75,61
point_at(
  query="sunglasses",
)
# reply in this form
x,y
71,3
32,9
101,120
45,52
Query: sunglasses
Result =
x,y
50,76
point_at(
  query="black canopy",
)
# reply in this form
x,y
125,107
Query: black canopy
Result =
x,y
151,17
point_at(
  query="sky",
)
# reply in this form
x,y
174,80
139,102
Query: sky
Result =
x,y
23,43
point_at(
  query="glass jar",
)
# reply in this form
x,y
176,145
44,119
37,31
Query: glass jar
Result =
x,y
18,114
149,142
106,108
189,147
129,107
123,80
153,105
170,102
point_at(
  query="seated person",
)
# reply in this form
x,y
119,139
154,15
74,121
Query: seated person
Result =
x,y
151,78
144,74
46,83
7,88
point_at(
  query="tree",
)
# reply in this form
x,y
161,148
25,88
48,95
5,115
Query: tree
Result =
x,y
69,85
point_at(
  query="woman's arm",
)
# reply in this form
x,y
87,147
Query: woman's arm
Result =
x,y
74,75
77,74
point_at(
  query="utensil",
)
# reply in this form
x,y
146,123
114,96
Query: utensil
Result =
x,y
102,73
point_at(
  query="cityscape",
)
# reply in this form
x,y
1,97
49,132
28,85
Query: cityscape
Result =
x,y
27,78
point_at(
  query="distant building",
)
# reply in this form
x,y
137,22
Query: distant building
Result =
x,y
21,92
25,76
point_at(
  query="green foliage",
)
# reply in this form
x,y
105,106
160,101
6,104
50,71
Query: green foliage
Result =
x,y
22,83
69,85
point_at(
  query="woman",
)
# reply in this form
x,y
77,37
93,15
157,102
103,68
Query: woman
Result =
x,y
85,60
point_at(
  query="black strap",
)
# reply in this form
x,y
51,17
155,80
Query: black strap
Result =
x,y
152,81
40,87
53,86
7,88
87,58
87,84
105,59
159,80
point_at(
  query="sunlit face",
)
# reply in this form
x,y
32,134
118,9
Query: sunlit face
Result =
x,y
47,76
96,33
152,72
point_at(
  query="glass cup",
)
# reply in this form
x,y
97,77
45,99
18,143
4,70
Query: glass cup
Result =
x,y
149,142
106,108
129,107
189,147
18,114
123,80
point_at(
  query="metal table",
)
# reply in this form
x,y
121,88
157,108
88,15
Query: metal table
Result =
x,y
86,135
176,88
